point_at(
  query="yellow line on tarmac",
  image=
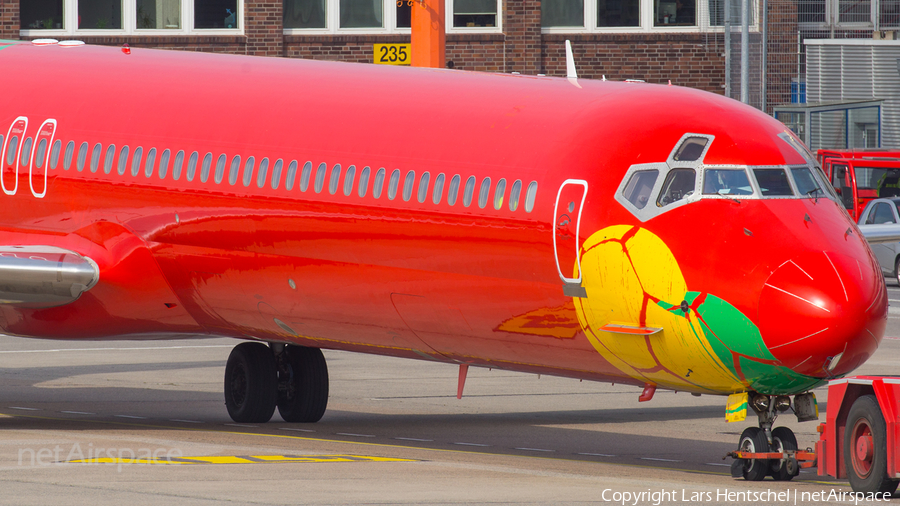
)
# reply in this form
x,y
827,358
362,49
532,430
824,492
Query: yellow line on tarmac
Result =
x,y
237,459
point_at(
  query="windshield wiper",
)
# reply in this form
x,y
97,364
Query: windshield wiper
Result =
x,y
814,193
727,196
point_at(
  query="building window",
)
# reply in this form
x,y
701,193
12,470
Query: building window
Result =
x,y
40,18
304,13
100,14
216,14
158,15
42,14
567,16
474,13
614,13
383,16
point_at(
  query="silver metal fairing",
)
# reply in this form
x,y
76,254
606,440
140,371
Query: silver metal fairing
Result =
x,y
44,276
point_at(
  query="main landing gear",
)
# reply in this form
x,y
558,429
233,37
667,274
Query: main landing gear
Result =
x,y
764,439
259,378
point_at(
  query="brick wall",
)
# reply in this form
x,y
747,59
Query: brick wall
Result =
x,y
522,25
264,27
9,19
691,59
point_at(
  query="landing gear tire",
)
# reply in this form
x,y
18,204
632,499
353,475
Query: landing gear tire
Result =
x,y
304,393
783,439
753,440
865,448
251,383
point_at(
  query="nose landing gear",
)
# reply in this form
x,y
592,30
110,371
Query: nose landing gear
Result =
x,y
764,451
259,378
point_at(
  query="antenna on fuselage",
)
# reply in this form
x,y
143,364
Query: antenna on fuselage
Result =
x,y
570,62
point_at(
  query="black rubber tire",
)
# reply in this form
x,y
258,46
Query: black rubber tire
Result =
x,y
897,270
783,439
866,420
753,440
251,383
307,396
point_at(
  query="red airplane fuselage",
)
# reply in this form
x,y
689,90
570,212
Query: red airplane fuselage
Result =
x,y
702,291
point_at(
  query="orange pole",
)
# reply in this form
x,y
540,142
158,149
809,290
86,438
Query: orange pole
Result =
x,y
428,38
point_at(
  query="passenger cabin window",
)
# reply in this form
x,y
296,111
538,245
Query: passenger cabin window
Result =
x,y
726,182
276,174
164,163
263,172
438,191
26,152
348,180
291,176
11,150
305,174
484,192
393,184
136,161
320,177
235,170
205,167
220,168
423,186
54,153
177,166
408,185
335,179
378,186
638,189
110,155
248,171
805,181
679,184
691,149
67,159
469,191
151,161
773,182
41,153
95,156
530,196
499,193
79,164
363,182
192,166
514,194
123,160
881,214
453,190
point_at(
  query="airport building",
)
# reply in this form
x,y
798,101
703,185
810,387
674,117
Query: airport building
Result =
x,y
652,40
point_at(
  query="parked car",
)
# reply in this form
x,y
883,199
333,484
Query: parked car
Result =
x,y
881,212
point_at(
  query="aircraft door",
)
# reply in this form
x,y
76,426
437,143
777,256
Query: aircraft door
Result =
x,y
10,155
566,237
40,157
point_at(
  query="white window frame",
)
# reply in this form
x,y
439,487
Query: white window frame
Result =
x,y
129,23
701,16
333,18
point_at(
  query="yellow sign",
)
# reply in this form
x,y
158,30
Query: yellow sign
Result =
x,y
392,54
736,407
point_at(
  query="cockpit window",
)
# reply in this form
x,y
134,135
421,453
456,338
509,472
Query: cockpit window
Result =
x,y
678,185
638,189
773,182
806,183
726,182
691,149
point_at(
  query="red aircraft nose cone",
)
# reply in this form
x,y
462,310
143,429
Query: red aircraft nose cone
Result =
x,y
823,314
